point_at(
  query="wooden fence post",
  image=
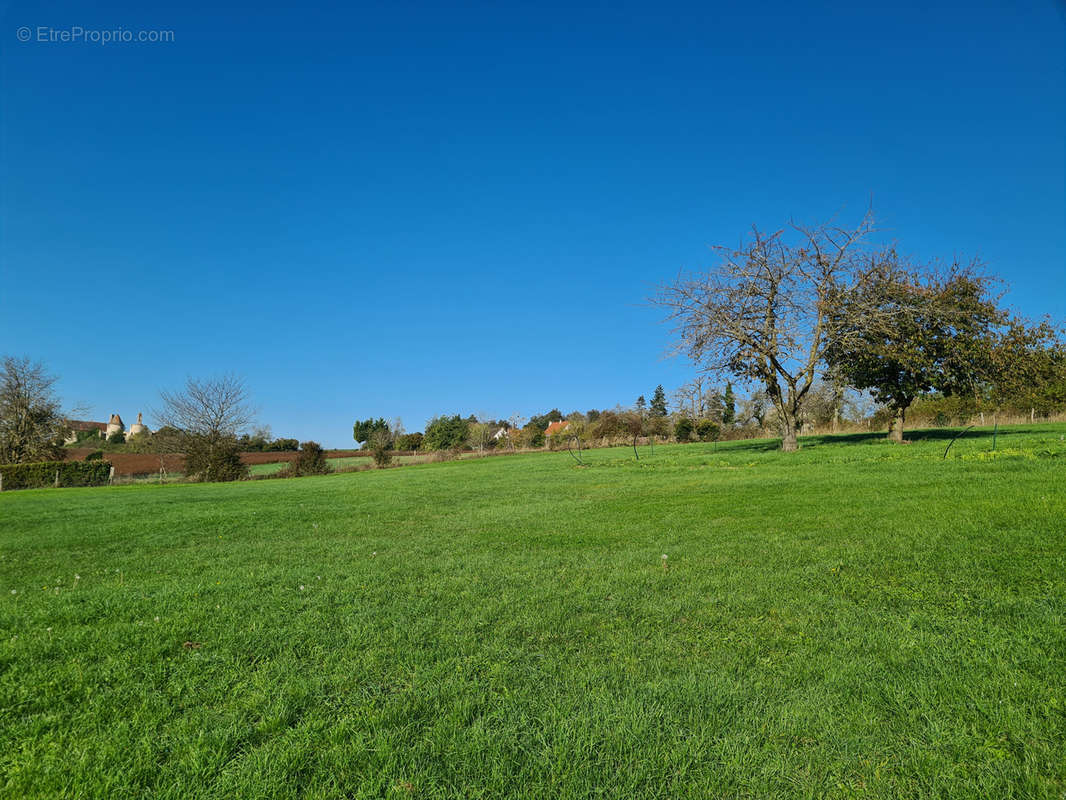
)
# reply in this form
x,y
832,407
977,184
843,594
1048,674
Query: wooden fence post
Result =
x,y
57,479
111,476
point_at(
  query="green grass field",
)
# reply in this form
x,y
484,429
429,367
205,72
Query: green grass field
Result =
x,y
337,463
855,620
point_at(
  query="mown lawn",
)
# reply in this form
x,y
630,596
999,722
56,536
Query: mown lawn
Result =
x,y
856,620
337,464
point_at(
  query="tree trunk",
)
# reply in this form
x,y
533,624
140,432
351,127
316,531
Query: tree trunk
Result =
x,y
895,428
789,438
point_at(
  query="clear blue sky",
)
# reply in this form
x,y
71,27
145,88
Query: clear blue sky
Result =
x,y
402,209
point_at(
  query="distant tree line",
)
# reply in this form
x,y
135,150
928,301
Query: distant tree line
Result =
x,y
702,411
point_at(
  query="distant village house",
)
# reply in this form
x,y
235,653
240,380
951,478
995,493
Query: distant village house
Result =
x,y
554,428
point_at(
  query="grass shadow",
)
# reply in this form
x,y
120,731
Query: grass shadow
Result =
x,y
918,435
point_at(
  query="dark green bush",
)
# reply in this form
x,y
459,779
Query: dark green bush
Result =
x,y
445,433
282,445
363,430
708,430
43,474
118,437
409,441
311,460
214,458
95,455
608,425
683,429
380,445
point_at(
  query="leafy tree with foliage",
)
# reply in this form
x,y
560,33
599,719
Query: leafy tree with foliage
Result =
x,y
260,441
165,440
655,425
257,441
542,421
213,458
364,430
1027,367
708,430
445,433
658,402
683,429
729,405
87,438
533,433
900,332
608,425
283,445
311,460
380,446
641,405
592,415
409,441
118,437
32,426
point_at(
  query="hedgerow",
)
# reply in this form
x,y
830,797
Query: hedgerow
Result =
x,y
43,474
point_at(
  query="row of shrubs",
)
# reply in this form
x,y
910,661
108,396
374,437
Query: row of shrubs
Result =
x,y
205,460
54,473
214,459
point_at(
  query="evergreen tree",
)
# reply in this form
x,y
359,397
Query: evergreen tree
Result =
x,y
365,429
642,404
729,405
658,402
445,433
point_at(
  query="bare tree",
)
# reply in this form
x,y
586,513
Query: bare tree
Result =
x,y
683,401
32,424
208,416
761,314
693,397
213,407
478,434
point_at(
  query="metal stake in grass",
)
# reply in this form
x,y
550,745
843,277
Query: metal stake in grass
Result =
x,y
569,442
956,436
664,562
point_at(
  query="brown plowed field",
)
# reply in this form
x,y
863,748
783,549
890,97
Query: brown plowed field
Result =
x,y
133,463
148,463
